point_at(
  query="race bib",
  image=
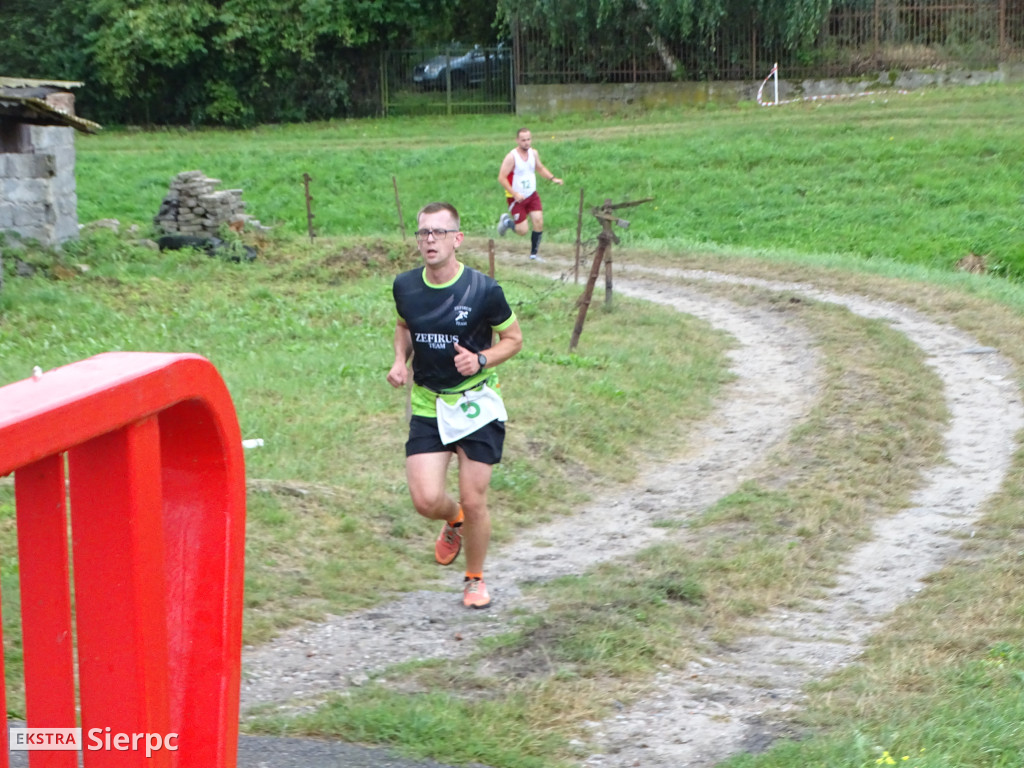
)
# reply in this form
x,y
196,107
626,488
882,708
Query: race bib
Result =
x,y
527,185
475,409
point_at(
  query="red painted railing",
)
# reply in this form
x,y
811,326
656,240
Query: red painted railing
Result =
x,y
156,483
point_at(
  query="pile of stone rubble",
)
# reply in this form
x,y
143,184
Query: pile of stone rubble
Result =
x,y
194,206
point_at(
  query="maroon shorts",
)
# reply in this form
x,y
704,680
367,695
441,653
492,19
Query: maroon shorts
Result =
x,y
519,211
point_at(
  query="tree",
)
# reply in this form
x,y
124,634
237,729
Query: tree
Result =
x,y
792,24
224,61
42,39
667,25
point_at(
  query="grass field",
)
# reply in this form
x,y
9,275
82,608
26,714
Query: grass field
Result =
x,y
882,197
922,178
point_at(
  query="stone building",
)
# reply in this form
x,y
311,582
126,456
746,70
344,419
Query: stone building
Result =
x,y
37,159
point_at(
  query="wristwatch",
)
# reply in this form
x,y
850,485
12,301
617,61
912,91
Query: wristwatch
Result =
x,y
482,359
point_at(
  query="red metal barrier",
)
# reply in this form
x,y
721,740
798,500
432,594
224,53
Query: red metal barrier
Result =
x,y
156,481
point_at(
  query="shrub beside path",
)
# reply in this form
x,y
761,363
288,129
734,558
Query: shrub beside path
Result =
x,y
735,701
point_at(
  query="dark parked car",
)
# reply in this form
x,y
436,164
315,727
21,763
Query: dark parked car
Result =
x,y
473,67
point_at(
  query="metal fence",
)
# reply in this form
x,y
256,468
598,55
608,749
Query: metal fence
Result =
x,y
451,80
858,37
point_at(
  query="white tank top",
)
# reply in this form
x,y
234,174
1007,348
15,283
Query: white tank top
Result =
x,y
524,175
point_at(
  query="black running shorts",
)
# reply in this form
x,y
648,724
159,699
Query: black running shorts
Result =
x,y
484,445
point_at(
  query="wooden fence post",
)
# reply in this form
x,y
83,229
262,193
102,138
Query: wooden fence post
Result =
x,y
309,206
579,230
607,216
588,292
608,277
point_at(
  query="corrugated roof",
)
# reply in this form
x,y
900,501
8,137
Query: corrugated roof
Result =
x,y
25,99
31,109
27,82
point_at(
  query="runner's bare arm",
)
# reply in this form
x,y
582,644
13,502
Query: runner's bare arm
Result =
x,y
543,172
510,341
399,373
506,168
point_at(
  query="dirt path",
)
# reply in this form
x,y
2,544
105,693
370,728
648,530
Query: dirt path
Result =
x,y
729,703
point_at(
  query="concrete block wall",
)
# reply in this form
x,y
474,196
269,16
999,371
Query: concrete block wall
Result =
x,y
37,190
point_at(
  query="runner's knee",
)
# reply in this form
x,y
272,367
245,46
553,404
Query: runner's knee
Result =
x,y
474,508
430,503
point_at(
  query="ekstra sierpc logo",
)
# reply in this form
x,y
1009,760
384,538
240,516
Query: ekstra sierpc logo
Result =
x,y
70,739
56,739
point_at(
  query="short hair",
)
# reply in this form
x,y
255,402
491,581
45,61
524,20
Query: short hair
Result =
x,y
437,208
521,131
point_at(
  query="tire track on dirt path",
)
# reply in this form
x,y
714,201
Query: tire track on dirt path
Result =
x,y
776,373
737,701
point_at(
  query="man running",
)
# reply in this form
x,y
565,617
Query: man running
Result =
x,y
448,314
518,176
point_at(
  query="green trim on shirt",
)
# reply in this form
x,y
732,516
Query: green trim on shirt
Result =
x,y
439,286
499,328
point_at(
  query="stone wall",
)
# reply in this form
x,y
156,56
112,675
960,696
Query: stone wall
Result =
x,y
618,98
37,187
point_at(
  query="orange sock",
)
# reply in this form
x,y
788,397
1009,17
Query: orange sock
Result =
x,y
458,520
470,576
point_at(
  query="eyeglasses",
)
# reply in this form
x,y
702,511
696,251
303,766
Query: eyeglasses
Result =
x,y
439,234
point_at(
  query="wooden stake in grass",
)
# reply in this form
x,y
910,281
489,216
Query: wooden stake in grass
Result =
x,y
608,278
309,207
588,291
607,216
579,230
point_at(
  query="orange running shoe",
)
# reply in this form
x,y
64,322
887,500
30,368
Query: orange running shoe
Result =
x,y
475,594
448,544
